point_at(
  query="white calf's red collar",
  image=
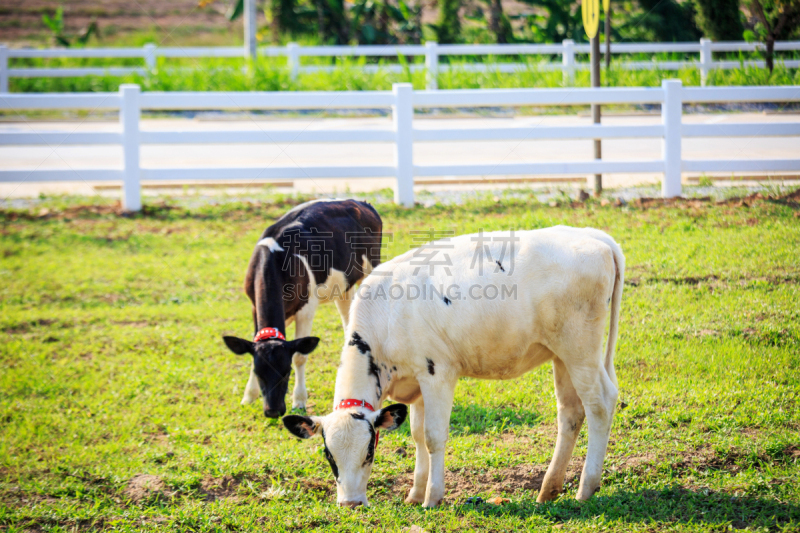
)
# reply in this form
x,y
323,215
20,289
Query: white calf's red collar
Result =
x,y
268,333
354,403
344,404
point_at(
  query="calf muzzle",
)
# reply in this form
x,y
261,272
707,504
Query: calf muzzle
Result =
x,y
274,413
351,505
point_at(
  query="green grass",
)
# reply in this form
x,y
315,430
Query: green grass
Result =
x,y
113,366
272,75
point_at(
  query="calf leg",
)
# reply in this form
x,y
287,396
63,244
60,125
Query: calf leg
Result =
x,y
423,463
437,393
304,319
598,393
252,391
343,305
570,420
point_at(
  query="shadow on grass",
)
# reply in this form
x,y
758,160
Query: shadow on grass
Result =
x,y
674,505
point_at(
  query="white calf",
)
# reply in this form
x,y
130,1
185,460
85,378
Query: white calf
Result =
x,y
490,306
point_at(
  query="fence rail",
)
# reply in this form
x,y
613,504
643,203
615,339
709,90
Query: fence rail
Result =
x,y
432,51
401,100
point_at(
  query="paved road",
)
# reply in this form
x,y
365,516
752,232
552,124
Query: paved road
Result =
x,y
290,154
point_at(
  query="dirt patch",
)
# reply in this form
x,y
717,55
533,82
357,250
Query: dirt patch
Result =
x,y
25,327
703,459
792,200
22,21
153,211
707,333
650,203
132,323
460,485
143,487
713,280
219,488
115,209
325,486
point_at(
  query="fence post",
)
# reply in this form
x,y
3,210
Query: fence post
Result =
x,y
568,61
432,65
671,111
150,56
3,68
250,40
293,59
403,117
706,60
129,120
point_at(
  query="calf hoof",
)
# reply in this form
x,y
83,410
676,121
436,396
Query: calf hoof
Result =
x,y
299,404
247,400
414,500
585,494
433,503
548,495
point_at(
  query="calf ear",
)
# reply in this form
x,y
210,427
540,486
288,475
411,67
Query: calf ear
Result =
x,y
304,427
391,418
238,346
306,345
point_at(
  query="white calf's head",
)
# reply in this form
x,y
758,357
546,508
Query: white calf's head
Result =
x,y
349,439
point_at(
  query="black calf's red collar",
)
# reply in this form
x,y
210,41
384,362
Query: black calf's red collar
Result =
x,y
268,333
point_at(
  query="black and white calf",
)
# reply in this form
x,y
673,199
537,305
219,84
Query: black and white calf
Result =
x,y
494,306
315,253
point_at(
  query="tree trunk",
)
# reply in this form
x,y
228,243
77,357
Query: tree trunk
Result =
x,y
770,51
383,25
496,22
448,27
418,24
275,23
607,33
321,21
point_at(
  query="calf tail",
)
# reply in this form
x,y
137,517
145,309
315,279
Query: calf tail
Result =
x,y
616,298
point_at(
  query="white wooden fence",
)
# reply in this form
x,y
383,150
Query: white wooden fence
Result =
x,y
401,100
431,50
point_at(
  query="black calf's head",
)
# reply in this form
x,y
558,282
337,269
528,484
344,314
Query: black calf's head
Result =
x,y
272,364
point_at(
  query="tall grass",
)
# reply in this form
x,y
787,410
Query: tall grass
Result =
x,y
269,74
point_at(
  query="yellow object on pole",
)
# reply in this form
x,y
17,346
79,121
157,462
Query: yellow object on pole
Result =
x,y
606,5
590,9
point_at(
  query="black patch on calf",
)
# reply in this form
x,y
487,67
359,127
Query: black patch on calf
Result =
x,y
447,301
375,371
357,416
329,457
501,266
430,366
359,343
371,447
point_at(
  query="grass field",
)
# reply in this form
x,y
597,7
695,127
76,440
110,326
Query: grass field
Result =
x,y
119,403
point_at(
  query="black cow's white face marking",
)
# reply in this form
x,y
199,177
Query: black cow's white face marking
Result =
x,y
272,364
349,440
